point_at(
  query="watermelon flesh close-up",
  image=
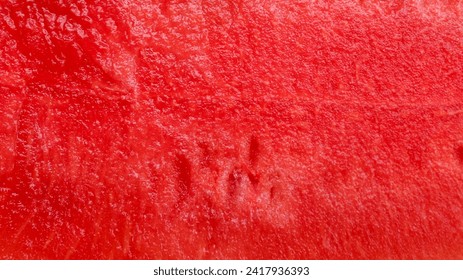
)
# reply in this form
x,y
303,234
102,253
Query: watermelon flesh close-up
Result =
x,y
301,129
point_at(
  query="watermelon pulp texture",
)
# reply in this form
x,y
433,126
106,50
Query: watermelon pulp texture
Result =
x,y
231,129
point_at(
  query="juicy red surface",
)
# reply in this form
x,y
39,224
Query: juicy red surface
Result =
x,y
231,129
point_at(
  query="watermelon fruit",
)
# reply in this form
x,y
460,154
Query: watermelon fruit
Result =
x,y
188,129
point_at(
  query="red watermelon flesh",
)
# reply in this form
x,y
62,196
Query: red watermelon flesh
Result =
x,y
231,129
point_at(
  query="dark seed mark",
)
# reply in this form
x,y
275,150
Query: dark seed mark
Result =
x,y
253,178
460,153
254,150
272,192
183,167
239,180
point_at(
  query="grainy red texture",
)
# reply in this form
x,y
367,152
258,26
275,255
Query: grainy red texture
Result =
x,y
149,129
